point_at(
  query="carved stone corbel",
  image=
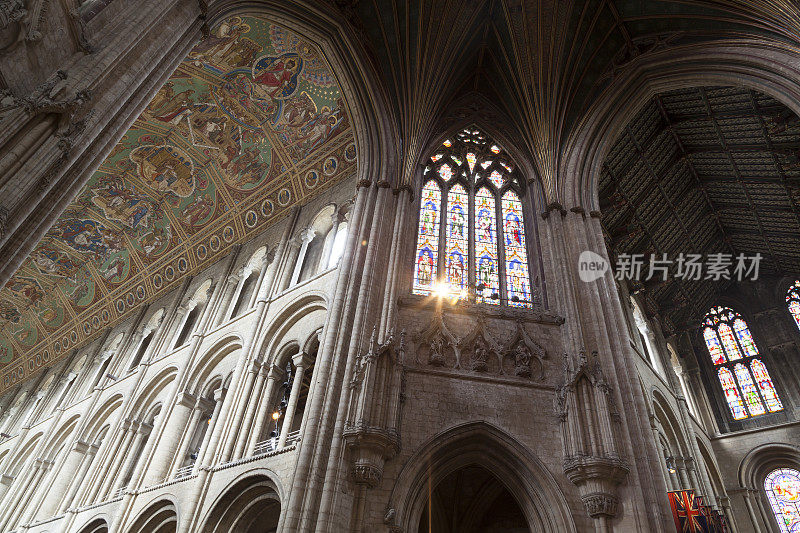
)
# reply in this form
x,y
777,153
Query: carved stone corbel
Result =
x,y
372,427
591,458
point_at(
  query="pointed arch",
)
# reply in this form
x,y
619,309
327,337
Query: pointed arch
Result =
x,y
478,443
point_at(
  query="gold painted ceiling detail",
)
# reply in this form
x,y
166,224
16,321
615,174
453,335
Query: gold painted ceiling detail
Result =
x,y
251,123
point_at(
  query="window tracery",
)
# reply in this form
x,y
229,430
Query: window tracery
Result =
x,y
783,492
793,301
472,193
744,378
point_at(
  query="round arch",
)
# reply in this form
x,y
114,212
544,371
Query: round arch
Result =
x,y
161,517
98,525
764,65
250,504
755,467
478,443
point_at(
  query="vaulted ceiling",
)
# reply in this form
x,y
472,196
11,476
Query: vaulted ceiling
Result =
x,y
542,62
251,123
705,170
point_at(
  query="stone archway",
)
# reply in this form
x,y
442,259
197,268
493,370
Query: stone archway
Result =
x,y
496,465
96,526
472,500
251,505
161,517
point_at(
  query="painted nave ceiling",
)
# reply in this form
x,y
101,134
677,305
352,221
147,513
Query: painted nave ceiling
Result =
x,y
253,122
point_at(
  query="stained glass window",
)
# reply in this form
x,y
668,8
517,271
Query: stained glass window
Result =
x,y
783,492
457,238
747,387
731,346
793,301
486,259
713,346
496,178
489,265
732,394
471,159
745,338
446,172
765,385
427,239
726,335
517,277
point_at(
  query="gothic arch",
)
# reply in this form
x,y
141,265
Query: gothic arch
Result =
x,y
669,423
249,504
160,517
760,64
479,443
476,109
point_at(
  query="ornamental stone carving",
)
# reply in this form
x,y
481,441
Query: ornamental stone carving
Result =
x,y
526,354
436,345
591,458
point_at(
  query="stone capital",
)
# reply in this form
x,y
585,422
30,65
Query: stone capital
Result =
x,y
186,399
600,504
302,360
81,446
219,394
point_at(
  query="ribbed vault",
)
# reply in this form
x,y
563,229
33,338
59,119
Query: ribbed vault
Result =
x,y
544,62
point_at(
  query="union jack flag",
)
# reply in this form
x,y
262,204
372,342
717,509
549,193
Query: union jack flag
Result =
x,y
687,511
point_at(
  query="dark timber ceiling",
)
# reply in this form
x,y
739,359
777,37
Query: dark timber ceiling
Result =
x,y
705,170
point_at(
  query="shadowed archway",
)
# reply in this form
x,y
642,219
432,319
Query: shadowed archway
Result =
x,y
251,505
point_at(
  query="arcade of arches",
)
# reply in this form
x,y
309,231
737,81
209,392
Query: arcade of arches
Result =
x,y
322,266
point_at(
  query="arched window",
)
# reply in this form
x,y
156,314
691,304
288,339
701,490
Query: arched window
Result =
x,y
793,301
743,376
472,192
783,492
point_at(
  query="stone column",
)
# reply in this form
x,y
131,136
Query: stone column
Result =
x,y
165,450
233,287
247,422
120,465
78,478
263,416
749,495
306,236
204,456
62,480
301,362
26,505
336,218
237,414
197,413
5,482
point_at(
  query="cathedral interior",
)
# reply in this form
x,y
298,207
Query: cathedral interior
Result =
x,y
399,266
